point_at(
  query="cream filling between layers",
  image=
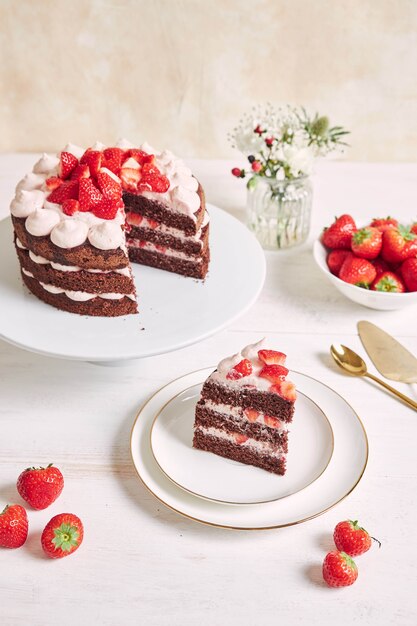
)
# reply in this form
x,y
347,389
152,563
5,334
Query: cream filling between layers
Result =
x,y
151,247
261,447
80,296
131,219
238,413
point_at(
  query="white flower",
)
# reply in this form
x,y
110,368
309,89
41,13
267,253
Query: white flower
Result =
x,y
248,142
300,160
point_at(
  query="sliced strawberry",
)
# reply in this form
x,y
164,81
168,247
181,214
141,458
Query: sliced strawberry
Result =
x,y
160,248
93,159
108,186
149,169
53,183
285,389
68,163
152,223
135,219
130,178
113,159
233,375
272,357
273,422
70,207
140,156
240,438
273,373
160,184
89,195
107,208
81,171
252,414
68,189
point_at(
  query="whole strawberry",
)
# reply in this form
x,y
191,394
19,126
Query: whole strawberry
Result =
x,y
339,570
357,271
352,538
62,535
380,266
335,260
339,234
384,223
367,242
409,274
388,282
398,244
13,526
40,486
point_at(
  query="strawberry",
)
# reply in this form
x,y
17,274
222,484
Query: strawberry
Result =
x,y
414,228
135,219
140,156
40,486
273,422
335,260
130,178
92,158
339,570
409,274
274,373
68,190
367,242
112,159
107,208
380,266
339,234
158,183
272,357
67,164
384,223
285,389
357,271
81,171
251,414
352,538
398,244
242,369
53,183
388,282
240,438
152,223
70,207
89,195
62,535
13,526
109,187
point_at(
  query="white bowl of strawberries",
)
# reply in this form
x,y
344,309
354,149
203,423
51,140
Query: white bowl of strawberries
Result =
x,y
374,265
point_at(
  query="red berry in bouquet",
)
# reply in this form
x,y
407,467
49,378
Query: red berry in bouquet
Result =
x,y
389,282
409,273
339,570
336,259
367,242
339,234
40,486
357,271
351,538
398,244
13,526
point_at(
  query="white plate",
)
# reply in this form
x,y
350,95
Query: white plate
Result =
x,y
223,480
341,476
175,311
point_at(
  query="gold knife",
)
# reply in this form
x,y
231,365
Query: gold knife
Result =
x,y
390,358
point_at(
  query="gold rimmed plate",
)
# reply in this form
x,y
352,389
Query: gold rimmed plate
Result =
x,y
215,478
343,472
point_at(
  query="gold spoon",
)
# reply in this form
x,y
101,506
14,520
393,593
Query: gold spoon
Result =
x,y
355,365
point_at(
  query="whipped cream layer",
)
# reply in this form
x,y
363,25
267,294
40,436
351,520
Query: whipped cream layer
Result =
x,y
253,380
151,247
136,220
260,447
237,413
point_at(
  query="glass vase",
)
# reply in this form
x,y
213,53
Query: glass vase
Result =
x,y
279,211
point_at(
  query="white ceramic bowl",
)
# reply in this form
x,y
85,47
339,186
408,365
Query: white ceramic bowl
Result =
x,y
371,299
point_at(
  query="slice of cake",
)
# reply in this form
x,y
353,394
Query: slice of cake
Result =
x,y
245,407
69,217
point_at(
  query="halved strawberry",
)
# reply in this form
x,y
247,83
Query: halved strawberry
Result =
x,y
70,206
252,414
140,156
240,438
285,389
273,373
107,208
89,195
152,223
113,158
135,219
240,370
68,163
108,186
130,178
53,183
93,159
68,189
273,422
272,357
160,183
81,171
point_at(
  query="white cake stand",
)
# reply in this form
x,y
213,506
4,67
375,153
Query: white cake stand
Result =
x,y
174,311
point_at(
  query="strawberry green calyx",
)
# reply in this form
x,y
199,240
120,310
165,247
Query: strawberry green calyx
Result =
x,y
361,235
406,233
387,284
349,561
66,537
355,525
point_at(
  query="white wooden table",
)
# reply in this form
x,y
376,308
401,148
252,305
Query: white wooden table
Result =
x,y
143,564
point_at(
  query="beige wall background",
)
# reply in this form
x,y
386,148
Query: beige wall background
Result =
x,y
179,73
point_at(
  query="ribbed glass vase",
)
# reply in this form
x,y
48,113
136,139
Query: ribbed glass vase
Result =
x,y
279,211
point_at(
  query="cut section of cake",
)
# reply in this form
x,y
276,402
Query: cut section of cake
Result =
x,y
245,408
78,217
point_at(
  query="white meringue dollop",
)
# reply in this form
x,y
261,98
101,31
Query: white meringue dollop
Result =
x,y
27,201
41,222
106,236
69,233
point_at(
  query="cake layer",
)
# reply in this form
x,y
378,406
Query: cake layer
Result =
x,y
73,278
108,304
207,418
243,453
188,245
85,255
264,401
194,267
157,210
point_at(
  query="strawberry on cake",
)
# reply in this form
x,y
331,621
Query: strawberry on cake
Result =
x,y
81,216
245,407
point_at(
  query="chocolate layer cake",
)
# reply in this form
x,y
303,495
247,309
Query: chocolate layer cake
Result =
x,y
80,216
245,408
